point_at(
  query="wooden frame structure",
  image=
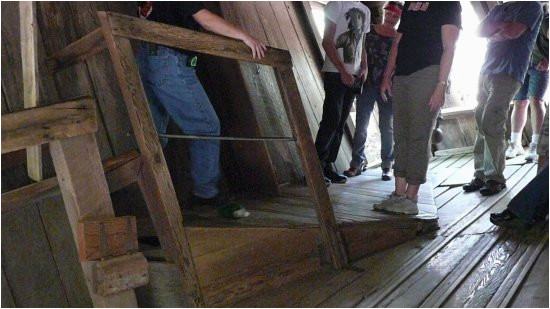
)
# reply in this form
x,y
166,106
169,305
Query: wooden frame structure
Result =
x,y
69,129
153,178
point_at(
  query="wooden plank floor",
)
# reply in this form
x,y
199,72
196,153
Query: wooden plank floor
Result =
x,y
352,202
468,262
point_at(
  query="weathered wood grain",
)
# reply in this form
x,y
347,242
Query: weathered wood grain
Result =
x,y
120,172
29,62
30,269
138,29
63,247
104,238
119,274
331,236
45,124
154,180
78,51
86,196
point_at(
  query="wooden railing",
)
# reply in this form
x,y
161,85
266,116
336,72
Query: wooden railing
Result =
x,y
154,179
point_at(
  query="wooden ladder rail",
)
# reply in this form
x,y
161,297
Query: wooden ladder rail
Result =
x,y
154,179
70,128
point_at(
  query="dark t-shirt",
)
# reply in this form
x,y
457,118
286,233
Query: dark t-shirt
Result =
x,y
175,13
378,50
421,44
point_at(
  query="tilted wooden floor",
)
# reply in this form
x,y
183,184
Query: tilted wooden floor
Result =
x,y
468,262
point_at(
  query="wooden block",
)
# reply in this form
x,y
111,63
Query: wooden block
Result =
x,y
120,274
104,238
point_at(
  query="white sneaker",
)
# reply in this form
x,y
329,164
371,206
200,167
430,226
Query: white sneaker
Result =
x,y
531,153
514,150
405,206
392,199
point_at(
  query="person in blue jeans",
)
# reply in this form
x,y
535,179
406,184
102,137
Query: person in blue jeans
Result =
x,y
378,43
174,91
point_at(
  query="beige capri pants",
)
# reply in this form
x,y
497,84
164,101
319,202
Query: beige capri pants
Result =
x,y
413,123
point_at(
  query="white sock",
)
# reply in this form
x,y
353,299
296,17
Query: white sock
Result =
x,y
515,138
535,138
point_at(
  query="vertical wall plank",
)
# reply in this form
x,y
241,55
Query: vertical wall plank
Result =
x,y
55,21
29,62
7,296
28,262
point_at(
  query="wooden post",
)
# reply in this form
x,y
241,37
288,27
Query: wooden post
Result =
x,y
297,118
154,179
29,61
86,196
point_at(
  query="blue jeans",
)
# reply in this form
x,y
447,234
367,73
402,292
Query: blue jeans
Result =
x,y
534,85
531,203
364,107
173,90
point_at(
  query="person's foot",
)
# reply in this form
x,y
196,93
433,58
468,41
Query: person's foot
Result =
x,y
507,219
352,172
405,206
393,198
492,187
514,150
473,185
226,208
327,182
386,174
531,153
333,176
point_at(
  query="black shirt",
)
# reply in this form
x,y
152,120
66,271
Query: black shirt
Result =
x,y
421,44
175,13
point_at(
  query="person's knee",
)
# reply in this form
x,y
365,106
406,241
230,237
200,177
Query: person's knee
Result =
x,y
521,104
538,104
492,125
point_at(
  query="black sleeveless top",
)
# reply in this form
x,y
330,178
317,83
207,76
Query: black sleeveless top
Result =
x,y
378,51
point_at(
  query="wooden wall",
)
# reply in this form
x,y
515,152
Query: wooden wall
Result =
x,y
39,261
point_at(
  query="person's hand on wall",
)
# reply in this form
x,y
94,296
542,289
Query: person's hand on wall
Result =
x,y
438,97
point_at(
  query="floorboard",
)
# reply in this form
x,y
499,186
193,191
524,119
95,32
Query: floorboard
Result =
x,y
467,263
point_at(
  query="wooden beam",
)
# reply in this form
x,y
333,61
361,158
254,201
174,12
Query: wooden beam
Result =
x,y
457,111
29,62
330,233
78,51
149,31
86,197
120,172
154,178
41,125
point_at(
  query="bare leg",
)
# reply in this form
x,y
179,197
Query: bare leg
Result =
x,y
400,185
537,114
412,192
519,116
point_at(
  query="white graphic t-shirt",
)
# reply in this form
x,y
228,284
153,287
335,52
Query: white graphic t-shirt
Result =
x,y
352,19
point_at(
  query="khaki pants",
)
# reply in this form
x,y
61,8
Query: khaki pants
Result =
x,y
494,95
413,123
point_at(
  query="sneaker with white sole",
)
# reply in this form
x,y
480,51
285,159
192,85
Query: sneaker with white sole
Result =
x,y
531,153
514,150
404,206
392,199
